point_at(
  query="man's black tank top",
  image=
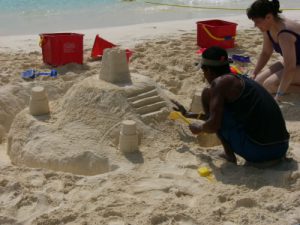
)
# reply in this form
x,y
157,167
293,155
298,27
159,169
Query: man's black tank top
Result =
x,y
259,114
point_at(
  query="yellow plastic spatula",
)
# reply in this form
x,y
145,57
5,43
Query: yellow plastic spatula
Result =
x,y
175,115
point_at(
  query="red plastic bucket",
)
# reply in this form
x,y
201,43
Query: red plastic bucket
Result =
x,y
216,33
62,48
101,44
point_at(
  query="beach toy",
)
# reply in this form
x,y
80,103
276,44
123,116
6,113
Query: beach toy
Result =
x,y
200,51
206,172
61,48
216,33
101,44
240,58
235,70
31,74
175,115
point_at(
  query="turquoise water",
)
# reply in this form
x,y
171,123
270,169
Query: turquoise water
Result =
x,y
37,16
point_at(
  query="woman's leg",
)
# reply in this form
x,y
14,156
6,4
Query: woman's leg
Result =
x,y
264,75
273,81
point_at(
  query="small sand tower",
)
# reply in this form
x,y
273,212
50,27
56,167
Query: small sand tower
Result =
x,y
128,139
196,105
38,104
204,139
114,66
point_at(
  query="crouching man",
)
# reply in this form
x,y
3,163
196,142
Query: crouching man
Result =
x,y
244,115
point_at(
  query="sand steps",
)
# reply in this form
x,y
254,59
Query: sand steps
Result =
x,y
148,116
147,103
143,95
150,108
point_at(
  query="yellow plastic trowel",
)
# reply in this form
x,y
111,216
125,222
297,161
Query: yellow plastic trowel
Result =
x,y
175,115
207,173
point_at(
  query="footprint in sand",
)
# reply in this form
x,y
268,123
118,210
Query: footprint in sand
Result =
x,y
246,202
176,220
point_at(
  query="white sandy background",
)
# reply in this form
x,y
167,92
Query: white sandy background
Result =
x,y
159,185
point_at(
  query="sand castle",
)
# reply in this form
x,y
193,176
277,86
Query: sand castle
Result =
x,y
80,133
78,136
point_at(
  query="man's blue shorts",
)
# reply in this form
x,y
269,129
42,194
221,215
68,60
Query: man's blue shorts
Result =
x,y
235,135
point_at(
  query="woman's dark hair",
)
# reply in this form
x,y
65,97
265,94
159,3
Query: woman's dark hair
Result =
x,y
260,8
217,54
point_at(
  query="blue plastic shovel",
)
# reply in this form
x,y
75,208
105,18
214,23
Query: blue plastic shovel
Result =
x,y
31,74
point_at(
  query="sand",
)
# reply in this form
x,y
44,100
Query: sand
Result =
x,y
75,172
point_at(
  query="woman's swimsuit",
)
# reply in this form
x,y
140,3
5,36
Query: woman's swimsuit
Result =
x,y
277,48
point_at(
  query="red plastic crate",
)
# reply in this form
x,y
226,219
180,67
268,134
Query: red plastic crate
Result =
x,y
216,33
62,48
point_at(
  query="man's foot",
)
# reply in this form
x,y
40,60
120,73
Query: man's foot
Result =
x,y
231,159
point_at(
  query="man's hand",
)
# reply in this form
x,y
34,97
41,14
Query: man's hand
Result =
x,y
179,107
195,128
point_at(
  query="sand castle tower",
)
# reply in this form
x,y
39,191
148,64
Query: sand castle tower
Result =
x,y
204,139
115,67
196,104
128,139
38,104
115,70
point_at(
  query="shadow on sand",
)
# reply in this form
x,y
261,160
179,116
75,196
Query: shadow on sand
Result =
x,y
253,176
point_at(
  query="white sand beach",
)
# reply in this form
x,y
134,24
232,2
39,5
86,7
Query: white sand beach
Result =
x,y
66,167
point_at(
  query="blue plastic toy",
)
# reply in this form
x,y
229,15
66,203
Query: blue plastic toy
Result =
x,y
240,58
31,74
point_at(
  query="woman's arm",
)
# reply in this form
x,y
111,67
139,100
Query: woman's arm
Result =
x,y
265,55
287,45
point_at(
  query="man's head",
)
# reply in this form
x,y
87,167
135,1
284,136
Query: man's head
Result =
x,y
214,63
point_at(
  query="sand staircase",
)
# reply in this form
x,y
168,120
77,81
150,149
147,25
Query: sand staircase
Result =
x,y
147,103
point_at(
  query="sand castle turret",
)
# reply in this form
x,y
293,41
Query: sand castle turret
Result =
x,y
204,139
38,104
196,104
114,66
128,139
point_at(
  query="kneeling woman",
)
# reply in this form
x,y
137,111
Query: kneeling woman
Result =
x,y
283,36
